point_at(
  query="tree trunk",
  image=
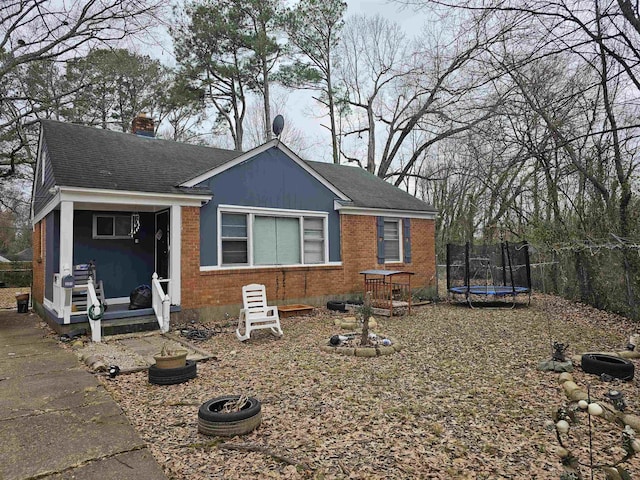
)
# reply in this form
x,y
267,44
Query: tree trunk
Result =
x,y
332,115
371,148
266,99
366,313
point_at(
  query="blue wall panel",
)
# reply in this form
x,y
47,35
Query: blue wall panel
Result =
x,y
122,265
270,180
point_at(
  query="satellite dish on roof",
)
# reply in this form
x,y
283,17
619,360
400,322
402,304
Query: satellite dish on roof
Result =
x,y
278,125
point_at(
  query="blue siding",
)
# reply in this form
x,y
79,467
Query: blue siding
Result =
x,y
41,194
122,265
270,180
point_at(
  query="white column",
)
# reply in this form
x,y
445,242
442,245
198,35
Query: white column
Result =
x,y
175,253
66,252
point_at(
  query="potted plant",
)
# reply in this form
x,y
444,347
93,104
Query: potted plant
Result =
x,y
170,358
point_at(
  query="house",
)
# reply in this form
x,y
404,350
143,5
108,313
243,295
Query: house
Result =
x,y
25,255
208,221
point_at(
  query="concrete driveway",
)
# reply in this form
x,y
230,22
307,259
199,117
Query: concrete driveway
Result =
x,y
56,421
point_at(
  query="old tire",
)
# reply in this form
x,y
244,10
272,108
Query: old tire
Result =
x,y
337,306
172,376
599,363
212,421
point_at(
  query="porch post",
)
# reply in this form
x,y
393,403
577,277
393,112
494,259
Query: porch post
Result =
x,y
66,252
175,253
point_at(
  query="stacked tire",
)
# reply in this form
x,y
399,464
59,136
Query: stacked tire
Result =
x,y
172,376
213,421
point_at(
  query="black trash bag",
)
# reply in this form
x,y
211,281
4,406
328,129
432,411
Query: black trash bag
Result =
x,y
140,297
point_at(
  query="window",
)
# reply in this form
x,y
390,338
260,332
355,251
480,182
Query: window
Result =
x,y
276,241
391,240
313,240
234,239
271,237
112,226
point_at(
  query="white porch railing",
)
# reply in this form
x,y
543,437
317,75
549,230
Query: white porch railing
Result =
x,y
160,303
94,311
62,303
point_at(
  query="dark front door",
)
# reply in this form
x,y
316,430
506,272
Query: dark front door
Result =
x,y
162,244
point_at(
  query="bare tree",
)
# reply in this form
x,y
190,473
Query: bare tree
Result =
x,y
417,98
33,31
372,58
313,28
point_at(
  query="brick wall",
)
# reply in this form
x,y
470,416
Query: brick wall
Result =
x,y
38,238
359,252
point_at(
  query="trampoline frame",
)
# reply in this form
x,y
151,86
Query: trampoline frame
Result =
x,y
507,289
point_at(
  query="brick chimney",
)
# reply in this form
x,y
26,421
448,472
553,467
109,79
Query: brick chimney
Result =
x,y
143,125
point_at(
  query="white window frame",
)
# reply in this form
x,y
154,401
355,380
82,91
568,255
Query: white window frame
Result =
x,y
249,229
324,241
251,212
399,223
114,236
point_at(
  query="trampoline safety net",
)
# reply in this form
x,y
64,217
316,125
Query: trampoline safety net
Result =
x,y
499,270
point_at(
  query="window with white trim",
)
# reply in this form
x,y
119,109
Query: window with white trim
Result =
x,y
234,239
263,238
313,240
111,226
392,240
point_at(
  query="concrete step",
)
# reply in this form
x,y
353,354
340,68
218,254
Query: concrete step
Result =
x,y
129,325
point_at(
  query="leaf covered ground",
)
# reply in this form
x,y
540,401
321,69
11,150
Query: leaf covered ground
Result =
x,y
463,399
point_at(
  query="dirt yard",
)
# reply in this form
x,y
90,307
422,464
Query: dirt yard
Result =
x,y
463,399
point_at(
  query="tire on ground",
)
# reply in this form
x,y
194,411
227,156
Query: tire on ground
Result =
x,y
211,421
599,363
337,306
172,376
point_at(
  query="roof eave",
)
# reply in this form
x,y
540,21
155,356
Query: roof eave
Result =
x,y
351,209
120,197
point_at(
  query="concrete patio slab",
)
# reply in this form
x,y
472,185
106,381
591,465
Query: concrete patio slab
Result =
x,y
37,362
56,419
49,391
125,466
54,441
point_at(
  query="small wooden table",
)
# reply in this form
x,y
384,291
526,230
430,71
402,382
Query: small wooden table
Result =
x,y
391,288
294,310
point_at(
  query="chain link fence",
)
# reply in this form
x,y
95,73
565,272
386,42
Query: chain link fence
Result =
x,y
606,278
15,278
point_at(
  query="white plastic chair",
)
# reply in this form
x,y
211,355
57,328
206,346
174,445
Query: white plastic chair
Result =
x,y
256,314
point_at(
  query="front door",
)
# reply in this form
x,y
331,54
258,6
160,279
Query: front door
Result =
x,y
162,244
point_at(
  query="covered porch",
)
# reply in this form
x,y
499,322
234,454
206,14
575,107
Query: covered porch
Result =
x,y
97,248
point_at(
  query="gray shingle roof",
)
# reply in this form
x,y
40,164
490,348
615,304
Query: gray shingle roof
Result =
x,y
367,190
96,158
90,157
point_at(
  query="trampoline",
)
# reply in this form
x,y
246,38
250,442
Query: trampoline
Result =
x,y
486,272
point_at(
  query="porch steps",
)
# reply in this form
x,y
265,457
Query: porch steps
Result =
x,y
129,325
118,319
